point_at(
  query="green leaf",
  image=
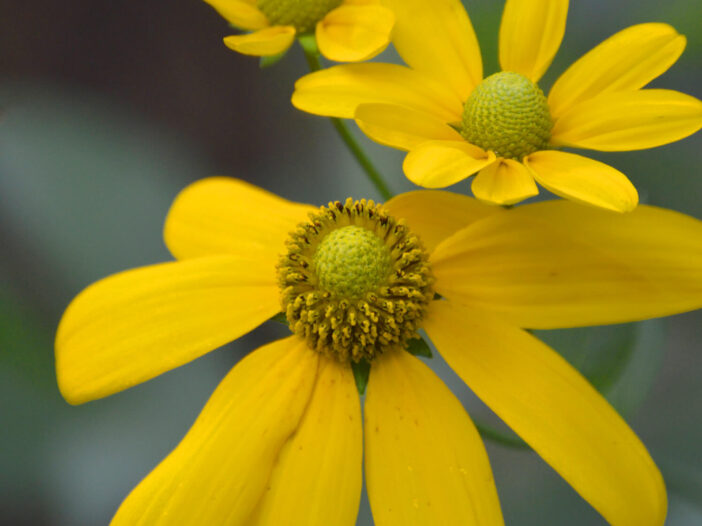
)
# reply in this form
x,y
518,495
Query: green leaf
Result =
x,y
419,347
361,371
272,60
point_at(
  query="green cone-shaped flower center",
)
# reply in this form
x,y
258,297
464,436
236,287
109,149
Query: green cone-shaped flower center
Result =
x,y
507,114
351,261
303,14
355,282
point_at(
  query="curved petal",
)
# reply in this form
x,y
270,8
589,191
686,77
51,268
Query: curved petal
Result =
x,y
558,264
351,33
401,127
339,90
425,462
435,215
240,13
626,61
629,120
317,480
555,410
437,164
221,215
262,43
583,180
530,35
132,326
219,471
437,38
504,182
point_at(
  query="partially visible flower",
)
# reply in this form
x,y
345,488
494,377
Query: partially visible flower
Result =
x,y
346,30
454,123
280,441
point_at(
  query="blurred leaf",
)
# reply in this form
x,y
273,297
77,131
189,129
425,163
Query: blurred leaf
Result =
x,y
267,62
621,361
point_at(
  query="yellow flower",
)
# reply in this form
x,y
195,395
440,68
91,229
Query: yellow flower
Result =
x,y
346,30
281,441
455,124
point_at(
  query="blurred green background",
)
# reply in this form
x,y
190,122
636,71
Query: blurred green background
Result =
x,y
109,109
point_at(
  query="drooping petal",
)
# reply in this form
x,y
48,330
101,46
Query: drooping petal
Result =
x,y
402,127
317,478
221,215
437,164
219,471
584,180
262,43
435,215
240,13
626,61
437,38
559,264
629,120
339,90
530,35
555,410
425,462
132,326
351,33
504,182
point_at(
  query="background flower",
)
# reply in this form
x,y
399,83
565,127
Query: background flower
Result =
x,y
106,118
456,122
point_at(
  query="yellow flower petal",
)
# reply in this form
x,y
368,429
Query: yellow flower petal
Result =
x,y
339,90
437,164
435,215
625,61
425,462
240,13
401,127
220,215
317,478
264,42
530,35
351,33
219,471
629,120
504,182
132,326
555,410
558,264
437,38
584,180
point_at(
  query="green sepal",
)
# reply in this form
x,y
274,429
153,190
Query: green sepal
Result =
x,y
309,44
458,126
280,318
361,371
419,347
271,60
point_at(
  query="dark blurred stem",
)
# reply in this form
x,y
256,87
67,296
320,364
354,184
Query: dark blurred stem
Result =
x,y
489,433
343,130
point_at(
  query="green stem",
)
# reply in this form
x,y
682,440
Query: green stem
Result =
x,y
345,133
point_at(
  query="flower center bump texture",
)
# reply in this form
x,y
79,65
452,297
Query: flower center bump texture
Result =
x,y
355,281
303,14
508,114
